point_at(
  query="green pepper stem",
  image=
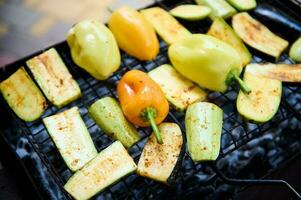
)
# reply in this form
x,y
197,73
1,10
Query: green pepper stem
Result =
x,y
150,115
233,76
243,86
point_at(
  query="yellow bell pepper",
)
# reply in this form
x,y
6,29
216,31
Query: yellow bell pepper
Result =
x,y
94,48
134,34
208,61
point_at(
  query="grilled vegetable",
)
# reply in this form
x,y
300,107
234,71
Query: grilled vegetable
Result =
x,y
210,62
178,90
243,4
281,72
134,34
295,51
191,12
263,102
108,115
203,123
278,20
142,100
257,35
71,137
219,8
53,77
221,30
110,165
158,161
23,96
165,25
94,48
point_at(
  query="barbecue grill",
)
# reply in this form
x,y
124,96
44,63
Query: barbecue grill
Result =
x,y
244,144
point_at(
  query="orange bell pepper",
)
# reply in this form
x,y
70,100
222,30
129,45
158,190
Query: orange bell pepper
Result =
x,y
142,100
134,34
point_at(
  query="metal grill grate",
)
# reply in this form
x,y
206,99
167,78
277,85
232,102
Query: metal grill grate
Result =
x,y
236,132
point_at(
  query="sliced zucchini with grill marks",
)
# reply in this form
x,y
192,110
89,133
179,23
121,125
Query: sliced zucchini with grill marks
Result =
x,y
219,8
109,166
204,122
243,4
23,96
109,117
71,137
221,30
257,35
264,100
165,25
178,90
191,12
158,161
53,77
281,72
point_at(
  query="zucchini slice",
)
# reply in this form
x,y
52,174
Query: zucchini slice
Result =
x,y
263,102
179,91
23,96
165,25
71,137
108,115
190,12
110,165
281,72
219,8
257,35
158,161
221,30
295,50
243,5
204,122
53,77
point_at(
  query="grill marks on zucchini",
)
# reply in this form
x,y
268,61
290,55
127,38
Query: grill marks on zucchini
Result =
x,y
23,96
257,35
109,166
158,161
53,77
71,137
178,90
281,72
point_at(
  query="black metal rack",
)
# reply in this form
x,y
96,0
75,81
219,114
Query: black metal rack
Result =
x,y
48,171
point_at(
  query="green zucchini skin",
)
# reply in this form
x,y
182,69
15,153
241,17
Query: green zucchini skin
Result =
x,y
159,161
23,96
108,115
178,90
295,51
203,123
53,77
243,5
219,8
71,137
108,167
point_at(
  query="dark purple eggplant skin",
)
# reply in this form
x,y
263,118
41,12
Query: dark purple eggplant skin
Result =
x,y
278,21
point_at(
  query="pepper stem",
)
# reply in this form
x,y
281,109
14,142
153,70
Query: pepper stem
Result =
x,y
150,115
234,77
243,86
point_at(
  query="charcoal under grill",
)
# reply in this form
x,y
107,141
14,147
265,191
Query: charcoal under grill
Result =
x,y
244,145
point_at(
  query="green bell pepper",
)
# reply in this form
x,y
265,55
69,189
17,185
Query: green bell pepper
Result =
x,y
94,48
208,61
